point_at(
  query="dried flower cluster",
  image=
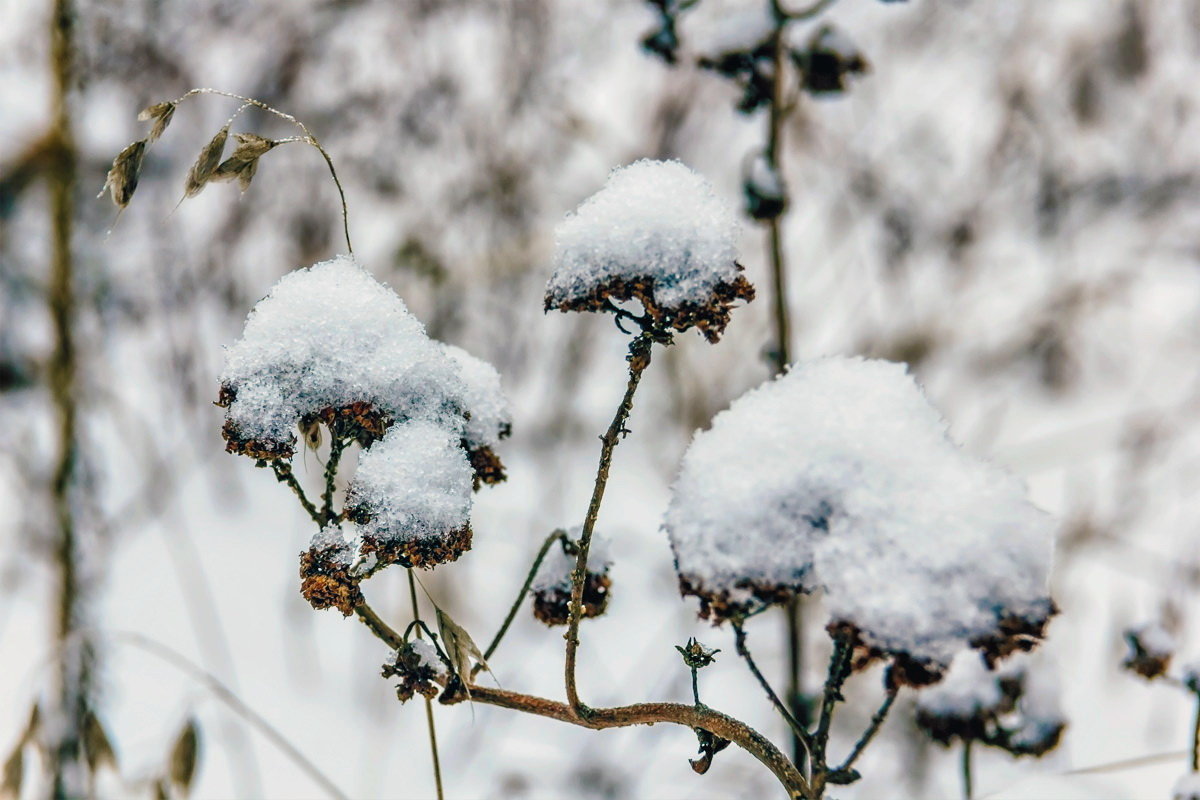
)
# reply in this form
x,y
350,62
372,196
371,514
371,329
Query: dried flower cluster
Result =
x,y
552,584
420,669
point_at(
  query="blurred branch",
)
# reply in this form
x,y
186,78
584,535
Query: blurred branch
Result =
x,y
557,536
235,703
798,730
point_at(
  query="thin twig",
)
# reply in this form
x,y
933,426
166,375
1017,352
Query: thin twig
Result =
x,y
639,359
872,729
309,139
381,629
336,446
1196,736
235,703
284,474
433,745
798,730
558,535
839,669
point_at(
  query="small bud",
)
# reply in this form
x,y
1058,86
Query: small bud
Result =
x,y
696,655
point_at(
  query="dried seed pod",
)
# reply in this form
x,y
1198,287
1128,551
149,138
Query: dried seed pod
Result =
x,y
184,755
122,178
243,162
161,113
206,163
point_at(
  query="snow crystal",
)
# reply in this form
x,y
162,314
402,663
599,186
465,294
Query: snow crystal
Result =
x,y
840,476
489,418
555,571
1187,787
415,483
428,656
653,221
329,336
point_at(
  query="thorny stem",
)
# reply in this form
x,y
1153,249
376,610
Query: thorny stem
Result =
x,y
798,730
309,138
872,729
433,746
639,359
235,704
966,769
336,446
690,716
557,536
284,474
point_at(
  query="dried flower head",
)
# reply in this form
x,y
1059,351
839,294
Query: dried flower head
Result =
x,y
552,584
1151,648
420,669
1010,708
326,576
839,477
656,233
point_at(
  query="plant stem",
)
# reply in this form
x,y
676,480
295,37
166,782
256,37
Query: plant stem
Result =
x,y
235,703
336,446
839,669
872,729
557,536
309,138
74,669
433,746
799,732
639,359
966,769
381,629
1196,737
284,474
690,716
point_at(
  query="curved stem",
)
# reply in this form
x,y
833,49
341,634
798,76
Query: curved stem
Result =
x,y
235,703
381,629
639,359
558,535
309,138
690,716
284,474
798,730
872,729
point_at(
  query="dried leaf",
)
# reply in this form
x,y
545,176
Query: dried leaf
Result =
x,y
184,755
206,163
459,646
122,178
14,774
161,113
96,744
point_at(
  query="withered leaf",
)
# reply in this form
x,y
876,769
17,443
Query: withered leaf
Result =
x,y
206,163
14,774
184,755
459,647
96,744
122,178
161,113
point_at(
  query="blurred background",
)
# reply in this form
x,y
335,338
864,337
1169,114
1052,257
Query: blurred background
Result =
x,y
1007,200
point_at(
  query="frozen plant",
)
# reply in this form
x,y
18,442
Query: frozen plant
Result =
x,y
1152,650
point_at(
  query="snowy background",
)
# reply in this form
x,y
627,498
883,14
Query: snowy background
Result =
x,y
1007,202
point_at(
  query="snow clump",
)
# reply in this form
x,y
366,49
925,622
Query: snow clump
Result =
x,y
840,476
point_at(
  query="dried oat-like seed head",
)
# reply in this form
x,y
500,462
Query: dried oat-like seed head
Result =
x,y
551,585
206,164
243,162
161,113
656,233
122,178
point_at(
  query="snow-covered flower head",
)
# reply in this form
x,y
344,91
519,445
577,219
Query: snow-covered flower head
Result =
x,y
839,476
658,233
552,583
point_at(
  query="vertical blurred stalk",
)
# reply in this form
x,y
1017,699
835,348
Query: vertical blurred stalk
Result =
x,y
781,353
67,725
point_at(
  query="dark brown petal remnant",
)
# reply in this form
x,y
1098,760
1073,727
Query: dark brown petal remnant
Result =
x,y
424,552
709,318
416,675
552,606
721,605
486,464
